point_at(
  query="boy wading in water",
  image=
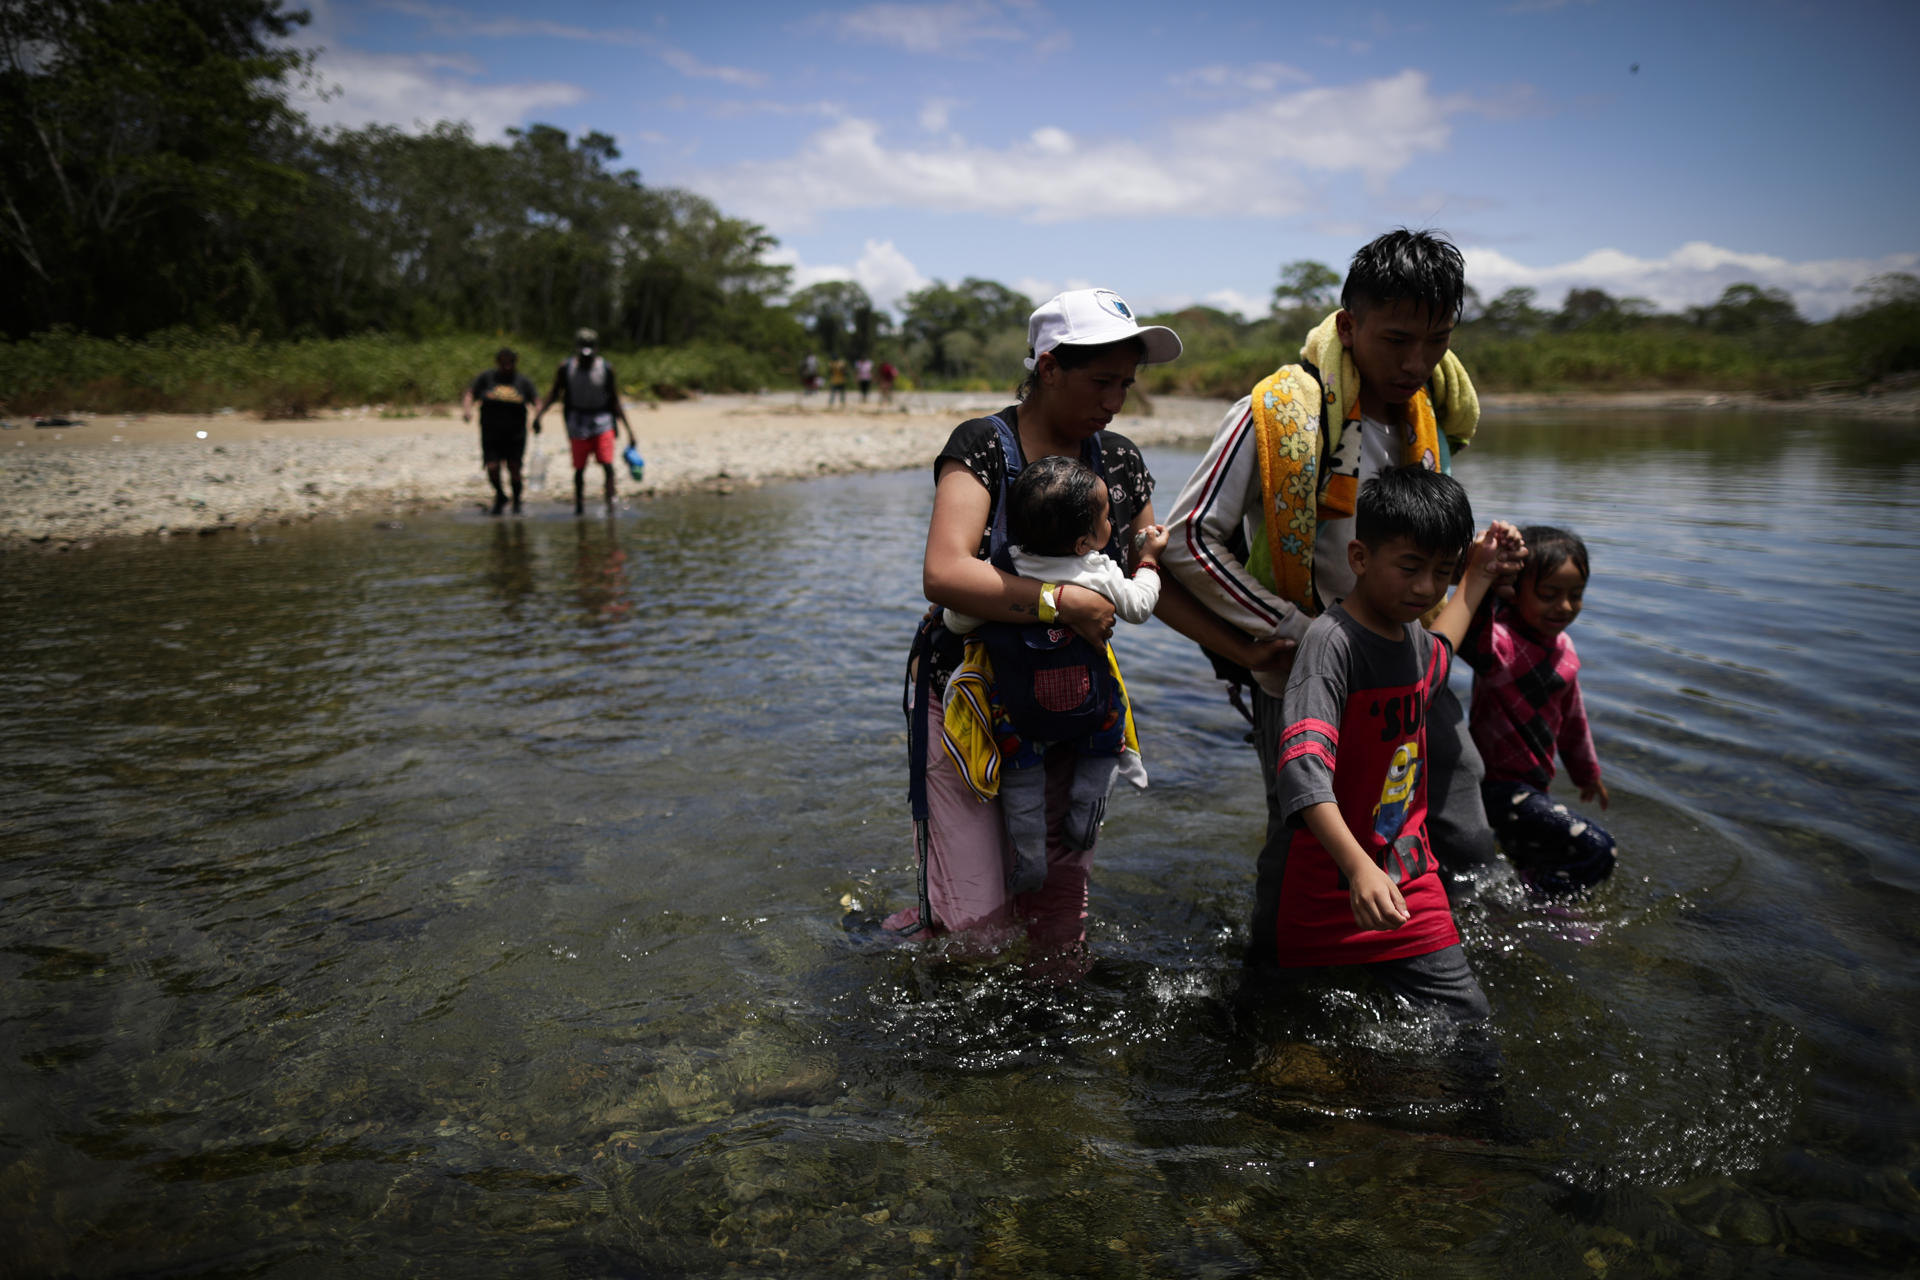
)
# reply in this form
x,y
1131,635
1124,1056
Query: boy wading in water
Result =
x,y
1059,517
1260,532
1358,882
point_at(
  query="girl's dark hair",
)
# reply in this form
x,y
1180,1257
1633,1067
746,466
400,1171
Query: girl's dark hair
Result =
x,y
1069,356
1407,266
1413,502
1051,506
1548,548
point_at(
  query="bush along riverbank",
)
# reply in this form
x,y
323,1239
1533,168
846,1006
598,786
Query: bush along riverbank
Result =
x,y
188,371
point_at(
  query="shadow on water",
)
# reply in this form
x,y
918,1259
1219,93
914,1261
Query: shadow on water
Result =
x,y
487,897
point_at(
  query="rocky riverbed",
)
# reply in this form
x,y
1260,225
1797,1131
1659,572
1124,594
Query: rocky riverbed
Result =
x,y
108,475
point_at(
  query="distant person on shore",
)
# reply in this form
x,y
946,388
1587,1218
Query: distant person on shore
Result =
x,y
887,374
863,374
837,382
504,395
1260,532
1359,885
1526,704
590,392
1059,520
809,374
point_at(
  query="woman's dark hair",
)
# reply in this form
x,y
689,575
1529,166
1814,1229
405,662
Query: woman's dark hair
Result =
x,y
1068,356
1548,548
1051,506
1407,266
1413,502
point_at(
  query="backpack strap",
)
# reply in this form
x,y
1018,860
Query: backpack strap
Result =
x,y
916,696
1093,452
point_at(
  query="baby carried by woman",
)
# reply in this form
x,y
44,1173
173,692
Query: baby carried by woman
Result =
x,y
1030,686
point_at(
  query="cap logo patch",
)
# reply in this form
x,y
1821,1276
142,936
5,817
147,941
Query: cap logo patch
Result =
x,y
1111,301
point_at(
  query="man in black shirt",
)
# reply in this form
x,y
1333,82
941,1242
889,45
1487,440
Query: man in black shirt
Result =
x,y
504,395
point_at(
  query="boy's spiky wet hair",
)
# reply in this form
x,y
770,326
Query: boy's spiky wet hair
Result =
x,y
1051,506
1412,502
1407,266
1548,548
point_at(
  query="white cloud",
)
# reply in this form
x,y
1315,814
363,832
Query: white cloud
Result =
x,y
883,271
1247,159
935,112
1232,78
1694,274
1246,306
453,22
886,274
1053,141
414,92
934,28
1039,290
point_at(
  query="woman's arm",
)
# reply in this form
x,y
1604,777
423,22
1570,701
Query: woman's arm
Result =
x,y
953,576
1180,609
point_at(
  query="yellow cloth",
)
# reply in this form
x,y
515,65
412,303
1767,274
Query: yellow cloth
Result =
x,y
1455,403
968,716
1295,496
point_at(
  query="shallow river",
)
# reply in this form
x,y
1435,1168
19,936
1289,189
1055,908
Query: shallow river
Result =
x,y
473,898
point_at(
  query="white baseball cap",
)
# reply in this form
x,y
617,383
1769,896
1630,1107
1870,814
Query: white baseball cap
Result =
x,y
1092,318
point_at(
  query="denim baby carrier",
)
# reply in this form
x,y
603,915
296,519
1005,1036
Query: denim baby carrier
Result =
x,y
1053,685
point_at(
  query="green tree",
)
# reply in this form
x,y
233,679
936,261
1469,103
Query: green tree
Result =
x,y
840,316
699,275
1512,314
1884,332
1306,285
1593,310
144,153
1749,309
934,316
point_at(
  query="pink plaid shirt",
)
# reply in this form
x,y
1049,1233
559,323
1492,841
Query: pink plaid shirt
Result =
x,y
1526,702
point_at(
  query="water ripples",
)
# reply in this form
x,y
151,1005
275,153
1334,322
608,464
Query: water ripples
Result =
x,y
513,886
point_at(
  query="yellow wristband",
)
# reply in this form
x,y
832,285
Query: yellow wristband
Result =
x,y
1049,606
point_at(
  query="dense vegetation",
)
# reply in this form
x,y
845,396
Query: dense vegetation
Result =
x,y
177,236
1750,339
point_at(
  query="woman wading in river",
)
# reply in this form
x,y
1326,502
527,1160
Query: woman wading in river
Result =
x,y
1084,349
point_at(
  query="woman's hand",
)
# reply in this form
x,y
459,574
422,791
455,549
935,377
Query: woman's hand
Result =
x,y
1089,613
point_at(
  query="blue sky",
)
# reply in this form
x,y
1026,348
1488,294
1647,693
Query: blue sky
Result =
x,y
1180,153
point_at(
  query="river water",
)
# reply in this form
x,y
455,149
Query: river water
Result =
x,y
474,898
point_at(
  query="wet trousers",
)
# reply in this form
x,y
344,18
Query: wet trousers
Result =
x,y
969,856
1555,849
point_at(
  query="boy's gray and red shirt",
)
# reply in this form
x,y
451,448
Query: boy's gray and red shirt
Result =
x,y
1356,736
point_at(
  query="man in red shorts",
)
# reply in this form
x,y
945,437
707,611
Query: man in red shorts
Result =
x,y
591,392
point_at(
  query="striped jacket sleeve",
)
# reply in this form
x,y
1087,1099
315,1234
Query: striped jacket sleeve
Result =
x,y
1215,503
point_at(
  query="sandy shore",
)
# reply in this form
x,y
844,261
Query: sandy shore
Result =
x,y
123,476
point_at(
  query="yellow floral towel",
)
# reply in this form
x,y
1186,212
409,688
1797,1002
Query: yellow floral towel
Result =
x,y
1455,403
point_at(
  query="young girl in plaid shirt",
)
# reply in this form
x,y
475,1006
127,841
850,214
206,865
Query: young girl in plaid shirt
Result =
x,y
1526,704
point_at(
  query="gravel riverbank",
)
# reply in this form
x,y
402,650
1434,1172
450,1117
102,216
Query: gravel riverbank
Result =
x,y
125,476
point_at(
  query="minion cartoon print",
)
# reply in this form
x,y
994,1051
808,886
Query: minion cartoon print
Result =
x,y
1403,776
